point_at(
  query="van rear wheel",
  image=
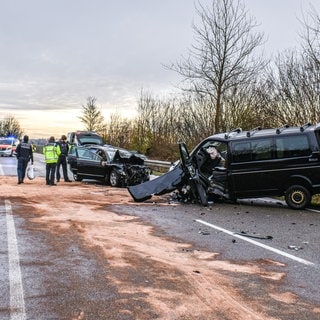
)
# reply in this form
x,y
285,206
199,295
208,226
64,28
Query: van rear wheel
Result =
x,y
297,197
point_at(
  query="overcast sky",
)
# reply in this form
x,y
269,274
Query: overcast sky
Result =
x,y
54,54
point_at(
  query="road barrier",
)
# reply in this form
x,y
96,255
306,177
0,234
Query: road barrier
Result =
x,y
157,165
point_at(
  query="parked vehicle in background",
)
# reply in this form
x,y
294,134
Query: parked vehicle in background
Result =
x,y
82,138
8,146
257,163
114,166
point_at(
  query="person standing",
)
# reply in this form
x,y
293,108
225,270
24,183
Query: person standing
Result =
x,y
24,155
62,161
51,153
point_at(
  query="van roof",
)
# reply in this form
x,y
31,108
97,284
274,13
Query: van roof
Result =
x,y
258,132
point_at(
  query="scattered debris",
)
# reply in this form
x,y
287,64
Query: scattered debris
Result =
x,y
256,236
295,248
205,233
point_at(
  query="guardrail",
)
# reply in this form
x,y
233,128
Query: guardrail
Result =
x,y
158,165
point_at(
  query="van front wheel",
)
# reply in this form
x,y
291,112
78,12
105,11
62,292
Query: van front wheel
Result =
x,y
297,197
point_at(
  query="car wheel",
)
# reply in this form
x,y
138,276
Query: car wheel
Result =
x,y
77,177
114,179
297,197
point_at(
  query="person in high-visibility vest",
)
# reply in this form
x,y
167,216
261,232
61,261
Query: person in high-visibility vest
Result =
x,y
51,153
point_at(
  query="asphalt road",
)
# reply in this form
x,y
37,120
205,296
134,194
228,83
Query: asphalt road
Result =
x,y
8,166
249,231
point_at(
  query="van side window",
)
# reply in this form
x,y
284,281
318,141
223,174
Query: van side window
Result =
x,y
293,146
241,152
262,149
254,150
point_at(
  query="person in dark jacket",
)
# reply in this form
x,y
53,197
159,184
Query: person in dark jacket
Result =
x,y
62,161
24,155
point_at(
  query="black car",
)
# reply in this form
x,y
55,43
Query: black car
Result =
x,y
114,166
245,164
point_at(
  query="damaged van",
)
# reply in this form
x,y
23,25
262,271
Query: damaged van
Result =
x,y
239,164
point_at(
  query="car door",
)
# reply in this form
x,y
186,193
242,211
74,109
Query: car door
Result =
x,y
197,185
89,164
252,167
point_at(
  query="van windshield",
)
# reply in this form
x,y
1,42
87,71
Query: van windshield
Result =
x,y
8,142
90,139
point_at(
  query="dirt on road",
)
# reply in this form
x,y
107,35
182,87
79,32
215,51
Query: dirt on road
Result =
x,y
176,281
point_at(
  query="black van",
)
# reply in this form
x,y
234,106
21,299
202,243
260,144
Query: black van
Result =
x,y
257,163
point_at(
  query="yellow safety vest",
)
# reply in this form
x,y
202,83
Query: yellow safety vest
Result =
x,y
51,153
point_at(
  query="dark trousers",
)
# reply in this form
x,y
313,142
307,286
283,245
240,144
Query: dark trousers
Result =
x,y
50,172
22,167
62,161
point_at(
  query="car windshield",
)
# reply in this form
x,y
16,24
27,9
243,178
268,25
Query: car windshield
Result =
x,y
6,141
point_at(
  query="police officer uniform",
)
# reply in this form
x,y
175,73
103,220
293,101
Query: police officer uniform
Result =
x,y
24,155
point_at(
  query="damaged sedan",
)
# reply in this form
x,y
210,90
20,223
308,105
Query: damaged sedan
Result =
x,y
113,166
282,162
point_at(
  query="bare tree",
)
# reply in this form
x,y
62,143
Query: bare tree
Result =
x,y
311,35
118,131
222,56
295,80
10,127
92,117
299,80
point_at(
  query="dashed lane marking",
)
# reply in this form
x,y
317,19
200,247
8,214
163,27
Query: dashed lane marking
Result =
x,y
17,305
282,253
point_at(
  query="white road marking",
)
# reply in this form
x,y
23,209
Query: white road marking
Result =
x,y
1,171
282,253
17,305
313,210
